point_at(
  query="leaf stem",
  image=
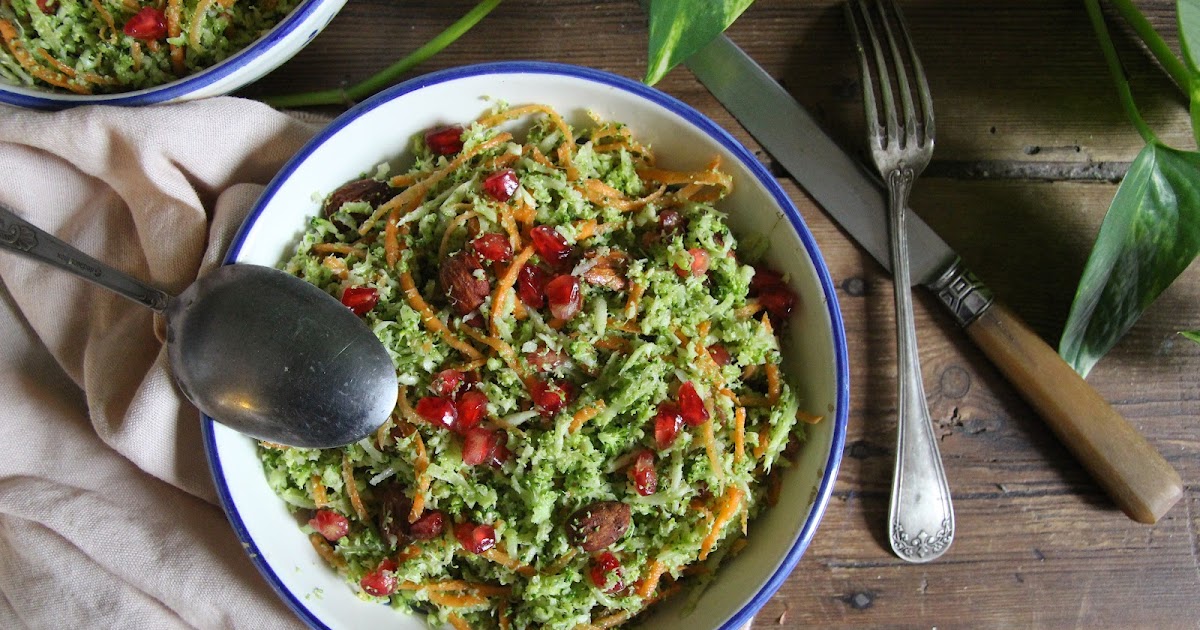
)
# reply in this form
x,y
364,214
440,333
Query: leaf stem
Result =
x,y
1158,47
389,75
1118,74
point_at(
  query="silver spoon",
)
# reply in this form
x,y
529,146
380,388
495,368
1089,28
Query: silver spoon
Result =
x,y
254,348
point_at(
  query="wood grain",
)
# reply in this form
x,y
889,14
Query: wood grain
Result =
x,y
1030,141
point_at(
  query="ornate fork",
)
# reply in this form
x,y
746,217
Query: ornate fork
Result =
x,y
920,519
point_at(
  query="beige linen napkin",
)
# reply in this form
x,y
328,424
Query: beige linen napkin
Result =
x,y
108,516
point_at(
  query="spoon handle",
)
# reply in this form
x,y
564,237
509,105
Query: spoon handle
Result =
x,y
22,237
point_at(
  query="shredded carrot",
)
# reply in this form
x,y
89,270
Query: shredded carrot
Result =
x,y
19,52
352,488
505,284
562,562
174,15
463,600
336,265
431,320
739,434
408,553
318,491
750,399
510,226
631,306
325,550
412,196
808,418
407,412
585,414
752,306
402,181
604,195
556,323
457,622
586,229
565,146
490,590
625,327
422,473
710,177
772,384
455,223
471,366
108,19
501,347
197,20
649,584
500,161
501,558
730,503
382,433
278,447
136,51
613,344
503,614
763,439
749,371
339,248
612,620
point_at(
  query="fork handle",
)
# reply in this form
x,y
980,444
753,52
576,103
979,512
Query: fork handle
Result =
x,y
1130,470
920,517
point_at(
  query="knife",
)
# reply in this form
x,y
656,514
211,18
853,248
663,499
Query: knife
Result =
x,y
1132,472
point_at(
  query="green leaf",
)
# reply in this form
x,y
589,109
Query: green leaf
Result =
x,y
679,28
1150,234
1187,14
1194,335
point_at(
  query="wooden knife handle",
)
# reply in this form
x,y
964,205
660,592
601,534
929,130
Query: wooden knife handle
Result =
x,y
1131,471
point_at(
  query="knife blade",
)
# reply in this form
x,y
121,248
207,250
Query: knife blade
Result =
x,y
1119,458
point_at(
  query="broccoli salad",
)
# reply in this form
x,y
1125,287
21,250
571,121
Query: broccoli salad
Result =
x,y
590,408
107,46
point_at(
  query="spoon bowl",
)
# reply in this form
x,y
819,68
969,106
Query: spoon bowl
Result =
x,y
256,349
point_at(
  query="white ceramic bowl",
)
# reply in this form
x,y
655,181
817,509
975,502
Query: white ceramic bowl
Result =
x,y
381,129
242,68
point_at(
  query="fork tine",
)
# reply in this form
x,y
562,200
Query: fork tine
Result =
x,y
875,134
911,138
885,79
919,76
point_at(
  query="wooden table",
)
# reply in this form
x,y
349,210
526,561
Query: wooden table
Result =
x,y
1030,142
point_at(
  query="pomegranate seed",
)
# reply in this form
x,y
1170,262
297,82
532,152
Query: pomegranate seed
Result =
x,y
666,425
330,524
446,382
719,354
546,360
382,581
479,445
501,185
494,247
699,265
691,406
500,455
444,140
475,538
149,24
531,285
564,296
49,7
437,410
779,302
549,244
550,397
643,475
471,407
360,300
602,565
429,526
669,221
